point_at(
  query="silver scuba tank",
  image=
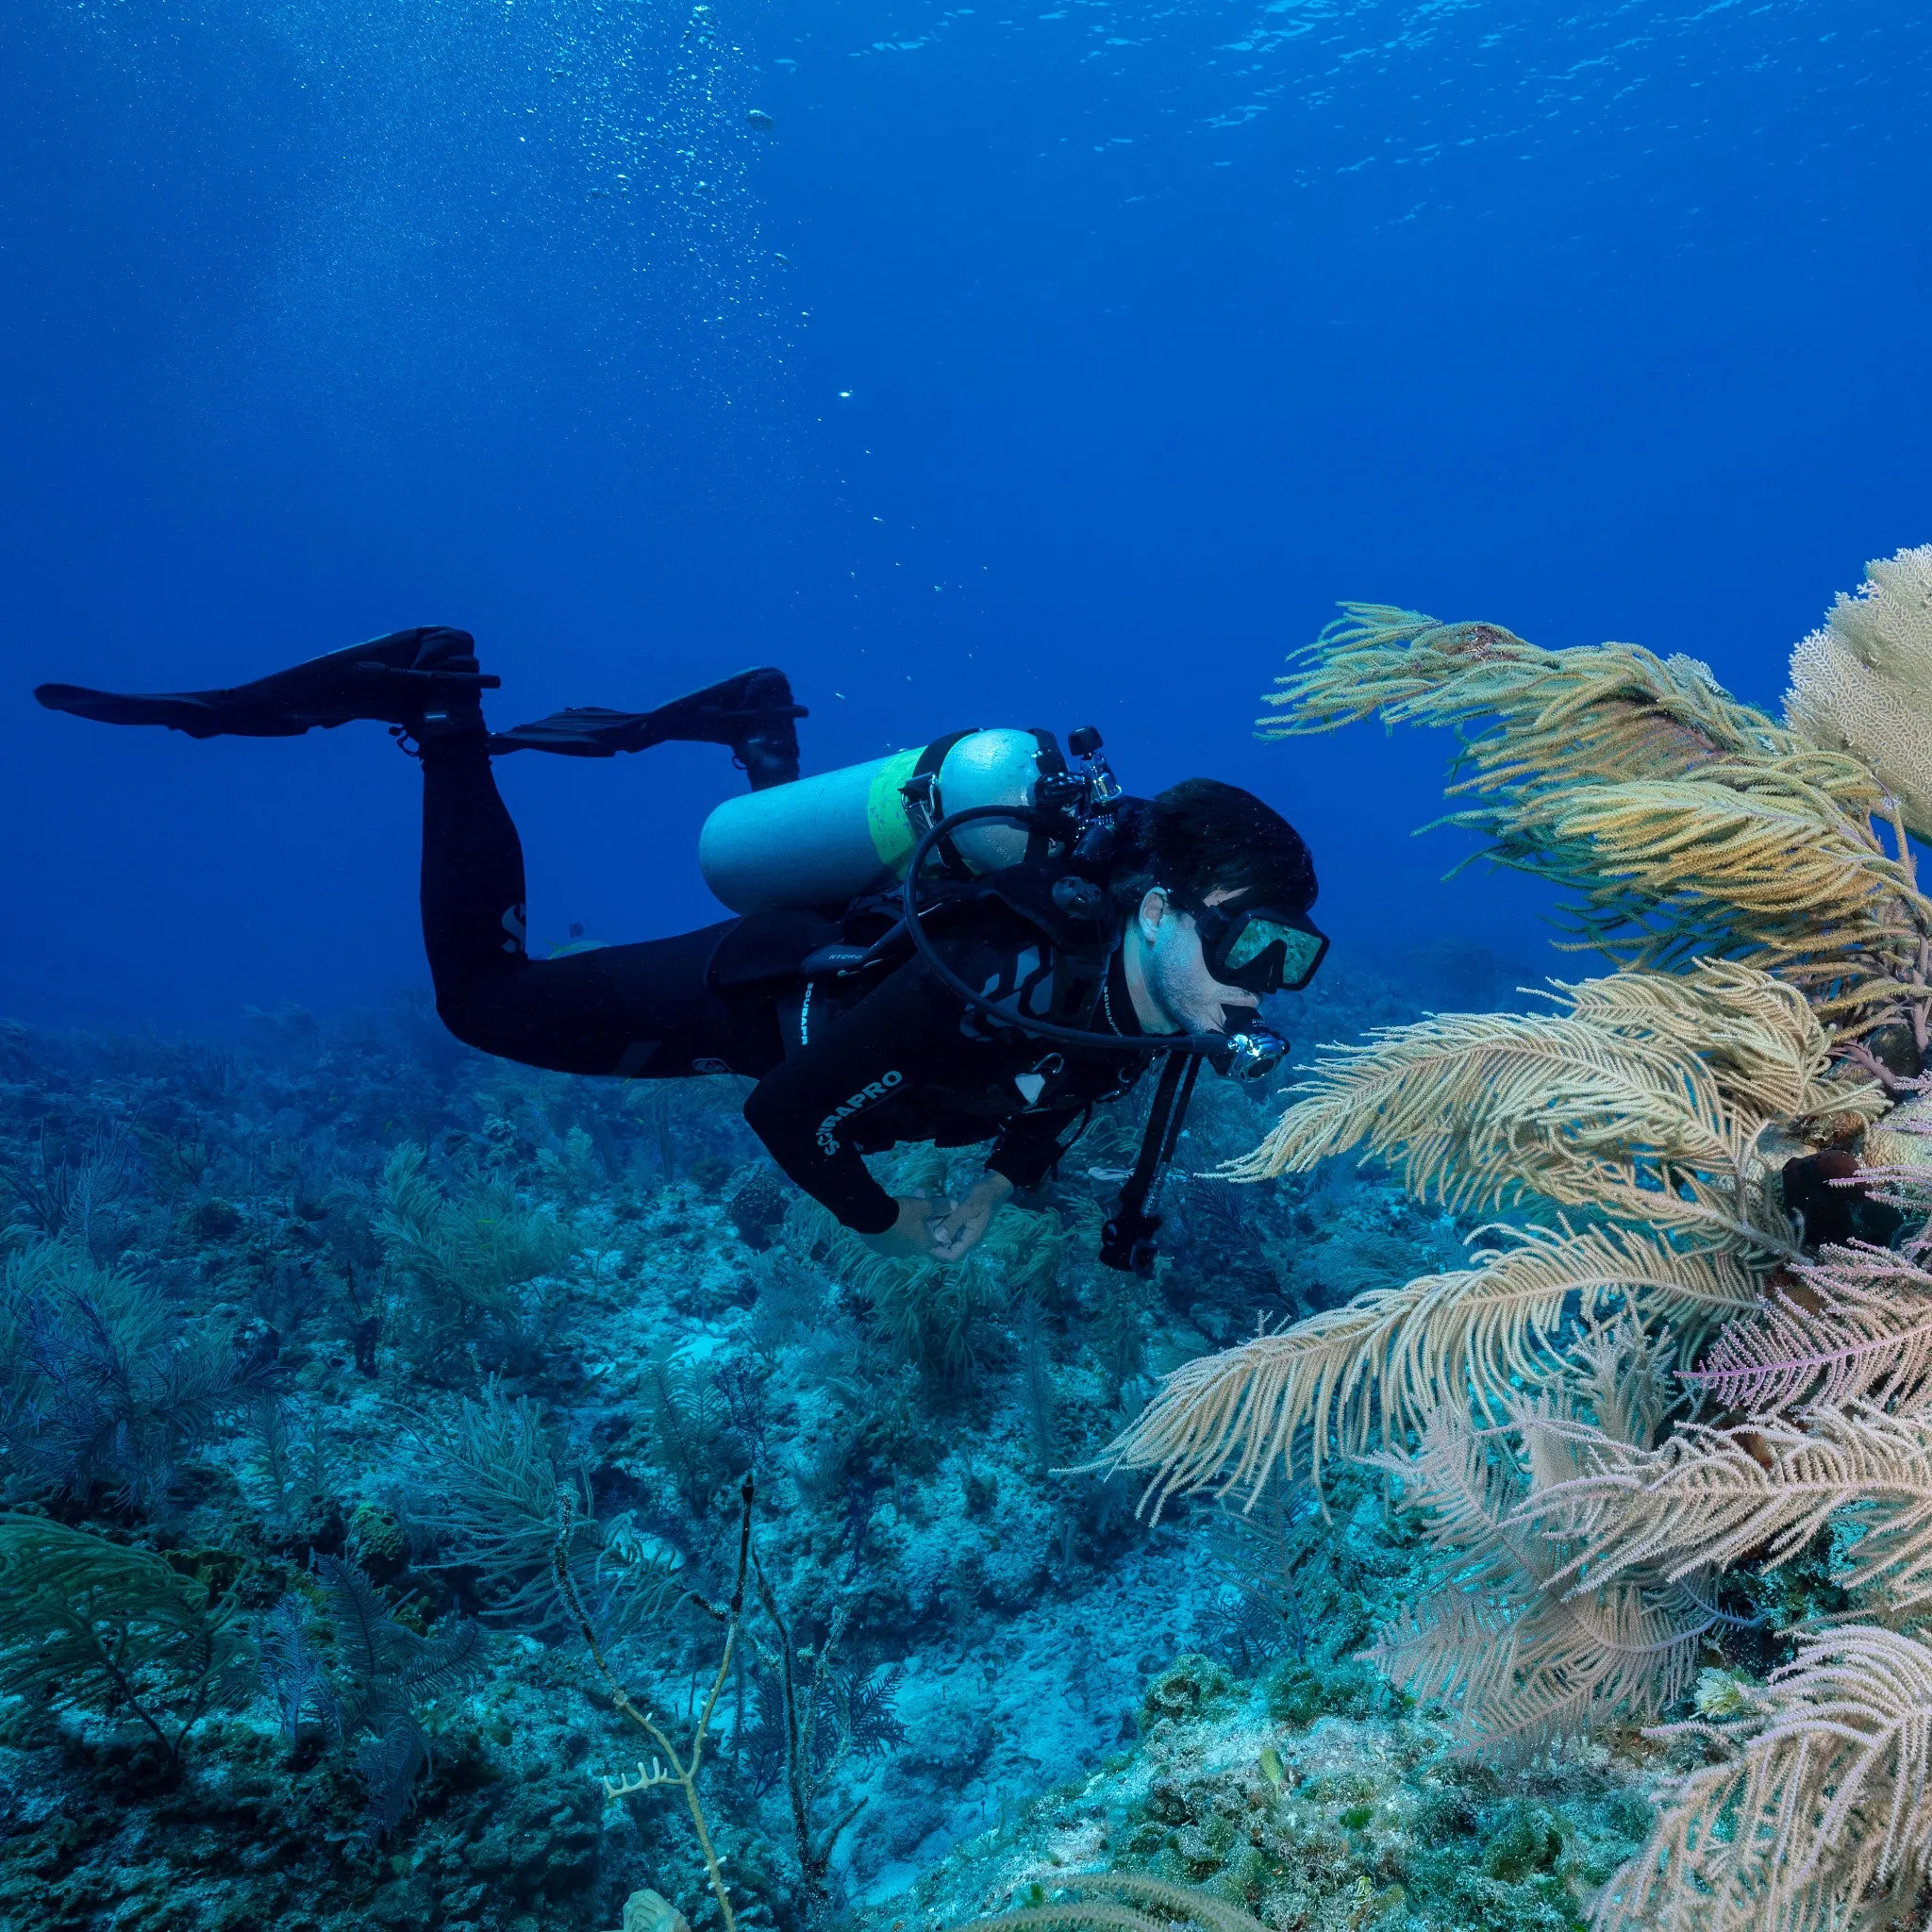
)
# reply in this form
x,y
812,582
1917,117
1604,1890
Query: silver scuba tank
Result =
x,y
824,839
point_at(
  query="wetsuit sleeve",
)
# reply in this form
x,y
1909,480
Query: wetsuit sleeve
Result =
x,y
1032,1142
801,1110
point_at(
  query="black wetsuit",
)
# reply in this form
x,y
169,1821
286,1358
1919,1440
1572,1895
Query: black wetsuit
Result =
x,y
839,1074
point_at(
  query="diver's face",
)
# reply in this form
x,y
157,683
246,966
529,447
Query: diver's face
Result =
x,y
1175,972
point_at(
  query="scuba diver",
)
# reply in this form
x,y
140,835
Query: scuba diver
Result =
x,y
969,940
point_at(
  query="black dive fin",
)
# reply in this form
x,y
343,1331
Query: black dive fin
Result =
x,y
752,712
397,679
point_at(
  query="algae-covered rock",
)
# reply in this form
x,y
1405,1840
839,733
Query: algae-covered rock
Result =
x,y
1525,1839
1185,1689
1298,1693
377,1541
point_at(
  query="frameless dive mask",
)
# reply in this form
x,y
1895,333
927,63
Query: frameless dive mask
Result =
x,y
1260,948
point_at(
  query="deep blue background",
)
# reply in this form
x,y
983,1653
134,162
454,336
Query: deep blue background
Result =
x,y
1109,344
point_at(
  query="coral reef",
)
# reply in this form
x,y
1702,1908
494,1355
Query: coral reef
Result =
x,y
363,1373
1307,1799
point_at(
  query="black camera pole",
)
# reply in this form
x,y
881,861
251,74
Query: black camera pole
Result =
x,y
1126,1241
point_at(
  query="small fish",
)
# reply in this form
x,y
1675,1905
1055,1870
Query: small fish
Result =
x,y
758,118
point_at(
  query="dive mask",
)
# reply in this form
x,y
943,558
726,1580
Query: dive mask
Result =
x,y
1260,948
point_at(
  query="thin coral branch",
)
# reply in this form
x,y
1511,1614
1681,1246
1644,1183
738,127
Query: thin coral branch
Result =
x,y
1818,1811
671,1767
1643,1099
1763,1489
1518,1656
1861,1327
1680,821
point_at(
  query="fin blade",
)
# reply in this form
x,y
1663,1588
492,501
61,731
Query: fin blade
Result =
x,y
185,710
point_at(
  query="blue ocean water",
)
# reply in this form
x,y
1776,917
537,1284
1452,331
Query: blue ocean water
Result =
x,y
1047,365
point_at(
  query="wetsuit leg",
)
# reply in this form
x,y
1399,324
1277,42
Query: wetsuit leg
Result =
x,y
644,1010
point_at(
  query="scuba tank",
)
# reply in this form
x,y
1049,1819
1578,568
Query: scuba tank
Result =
x,y
825,841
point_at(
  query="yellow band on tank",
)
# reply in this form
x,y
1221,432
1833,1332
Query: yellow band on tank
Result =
x,y
894,834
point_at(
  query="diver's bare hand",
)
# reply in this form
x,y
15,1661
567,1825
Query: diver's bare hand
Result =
x,y
909,1238
957,1231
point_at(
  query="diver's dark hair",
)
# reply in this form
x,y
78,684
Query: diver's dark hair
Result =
x,y
1201,835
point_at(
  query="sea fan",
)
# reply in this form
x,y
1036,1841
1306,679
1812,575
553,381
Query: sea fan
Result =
x,y
466,1251
1532,719
1680,823
1519,1654
1863,682
1519,1658
489,1488
294,1673
1617,1104
390,1764
111,1626
101,1383
385,1672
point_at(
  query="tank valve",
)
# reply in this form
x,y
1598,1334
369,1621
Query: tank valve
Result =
x,y
1103,788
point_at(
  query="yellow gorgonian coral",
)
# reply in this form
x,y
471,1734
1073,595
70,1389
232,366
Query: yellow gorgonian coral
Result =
x,y
1658,1379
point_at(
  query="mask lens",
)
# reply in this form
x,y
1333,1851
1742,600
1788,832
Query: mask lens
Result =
x,y
1271,950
